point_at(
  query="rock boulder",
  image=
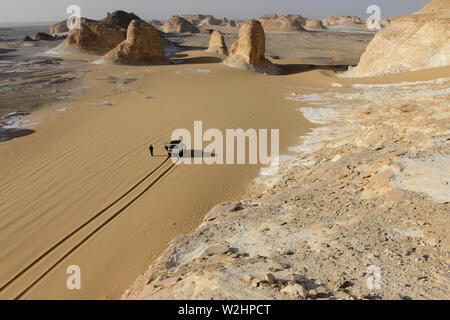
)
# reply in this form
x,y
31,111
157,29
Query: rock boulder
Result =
x,y
217,44
177,24
410,43
143,45
249,51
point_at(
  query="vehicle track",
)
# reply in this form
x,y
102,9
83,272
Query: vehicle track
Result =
x,y
162,170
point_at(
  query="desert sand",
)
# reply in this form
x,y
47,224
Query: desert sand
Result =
x,y
363,185
80,161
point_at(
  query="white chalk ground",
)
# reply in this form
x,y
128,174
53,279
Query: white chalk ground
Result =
x,y
430,175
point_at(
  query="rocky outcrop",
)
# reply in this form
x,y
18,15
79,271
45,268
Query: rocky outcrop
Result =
x,y
340,21
177,24
310,24
231,24
217,44
40,36
385,22
59,28
410,43
360,214
195,19
120,18
156,23
285,23
142,46
27,39
209,21
249,51
95,36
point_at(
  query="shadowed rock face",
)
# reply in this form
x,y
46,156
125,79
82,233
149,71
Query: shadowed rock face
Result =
x,y
95,36
120,18
143,45
179,25
249,51
410,43
217,44
40,36
59,28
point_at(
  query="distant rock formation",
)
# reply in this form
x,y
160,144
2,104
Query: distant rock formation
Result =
x,y
177,24
209,21
40,36
95,36
143,45
217,44
310,24
27,39
120,18
249,51
156,23
231,24
195,19
60,27
410,43
285,23
341,21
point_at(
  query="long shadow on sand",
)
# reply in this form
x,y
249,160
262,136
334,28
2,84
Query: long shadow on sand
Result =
x,y
288,69
198,60
13,133
195,154
5,56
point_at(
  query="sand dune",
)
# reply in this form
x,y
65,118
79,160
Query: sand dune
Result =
x,y
80,161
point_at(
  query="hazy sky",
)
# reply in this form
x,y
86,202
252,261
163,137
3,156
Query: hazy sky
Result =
x,y
54,10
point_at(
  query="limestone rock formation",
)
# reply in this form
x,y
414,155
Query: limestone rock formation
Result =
x,y
40,36
156,23
27,39
95,36
60,27
311,24
209,21
195,19
410,43
217,44
248,52
120,18
231,24
143,45
285,23
340,21
177,24
385,22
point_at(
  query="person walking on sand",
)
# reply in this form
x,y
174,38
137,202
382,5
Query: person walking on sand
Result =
x,y
151,150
